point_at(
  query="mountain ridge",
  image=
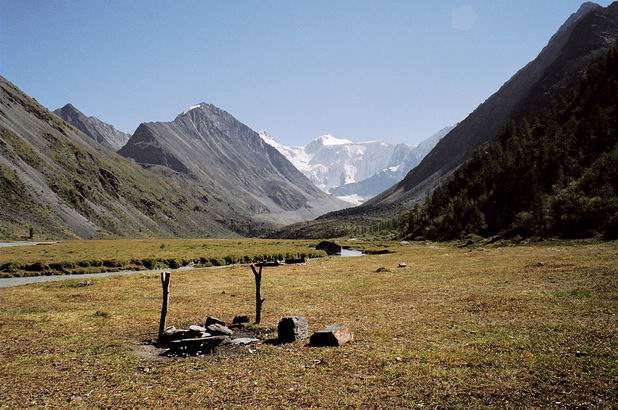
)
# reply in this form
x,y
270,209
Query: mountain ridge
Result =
x,y
222,154
100,131
587,33
350,169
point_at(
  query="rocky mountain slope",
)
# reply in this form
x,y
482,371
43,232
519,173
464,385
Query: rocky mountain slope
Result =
x,y
587,33
62,183
554,176
354,171
224,156
93,127
203,175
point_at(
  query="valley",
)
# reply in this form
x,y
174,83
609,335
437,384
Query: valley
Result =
x,y
529,325
362,253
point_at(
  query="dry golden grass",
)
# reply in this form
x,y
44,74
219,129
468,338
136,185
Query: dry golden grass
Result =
x,y
88,256
456,328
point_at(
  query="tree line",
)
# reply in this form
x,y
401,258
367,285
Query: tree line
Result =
x,y
552,175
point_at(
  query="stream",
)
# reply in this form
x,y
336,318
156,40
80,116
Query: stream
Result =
x,y
17,281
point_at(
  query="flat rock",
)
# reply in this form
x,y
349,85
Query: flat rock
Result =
x,y
240,319
219,330
332,335
197,330
211,320
402,264
244,341
170,334
292,328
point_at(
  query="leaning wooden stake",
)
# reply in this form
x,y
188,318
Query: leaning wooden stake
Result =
x,y
258,296
165,282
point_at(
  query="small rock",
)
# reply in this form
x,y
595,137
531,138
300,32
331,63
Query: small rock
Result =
x,y
195,330
240,319
210,320
244,341
219,330
403,264
580,354
404,243
170,334
333,335
540,264
292,328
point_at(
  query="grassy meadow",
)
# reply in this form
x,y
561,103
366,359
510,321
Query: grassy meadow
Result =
x,y
504,327
91,256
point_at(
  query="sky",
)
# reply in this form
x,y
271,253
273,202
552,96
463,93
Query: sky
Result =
x,y
392,70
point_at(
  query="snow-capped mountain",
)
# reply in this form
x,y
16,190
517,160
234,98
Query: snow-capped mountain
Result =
x,y
354,171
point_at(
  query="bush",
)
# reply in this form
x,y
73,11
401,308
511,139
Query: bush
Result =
x,y
10,267
37,267
217,262
150,263
172,263
113,263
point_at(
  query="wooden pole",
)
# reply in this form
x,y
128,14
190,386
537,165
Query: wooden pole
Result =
x,y
258,296
165,282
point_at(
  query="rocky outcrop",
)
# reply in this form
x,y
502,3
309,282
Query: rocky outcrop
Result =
x,y
103,133
219,153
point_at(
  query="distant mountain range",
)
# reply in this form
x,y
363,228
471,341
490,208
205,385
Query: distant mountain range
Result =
x,y
203,174
93,127
588,33
355,171
225,156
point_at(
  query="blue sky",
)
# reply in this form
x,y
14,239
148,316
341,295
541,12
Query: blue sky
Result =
x,y
391,70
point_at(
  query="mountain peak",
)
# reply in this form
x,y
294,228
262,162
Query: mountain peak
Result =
x,y
93,127
69,109
199,106
328,139
205,111
587,6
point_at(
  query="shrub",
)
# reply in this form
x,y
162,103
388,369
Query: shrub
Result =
x,y
37,267
10,267
172,263
150,263
113,263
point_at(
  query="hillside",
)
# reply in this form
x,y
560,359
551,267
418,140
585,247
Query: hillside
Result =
x,y
554,175
587,33
93,127
219,153
63,184
355,171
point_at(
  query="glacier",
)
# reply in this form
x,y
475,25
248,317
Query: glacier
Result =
x,y
354,171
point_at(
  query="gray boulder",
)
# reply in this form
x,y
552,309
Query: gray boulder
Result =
x,y
332,335
331,248
219,330
292,328
211,320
